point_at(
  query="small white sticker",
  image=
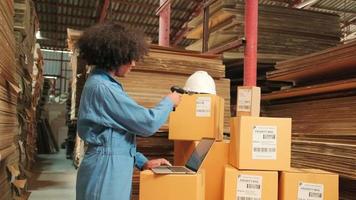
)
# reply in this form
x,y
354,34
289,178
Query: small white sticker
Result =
x,y
264,143
244,100
203,107
310,191
249,187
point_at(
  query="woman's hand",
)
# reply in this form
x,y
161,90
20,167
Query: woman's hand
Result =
x,y
156,163
175,97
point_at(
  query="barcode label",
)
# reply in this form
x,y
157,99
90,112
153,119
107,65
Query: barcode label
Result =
x,y
253,186
247,198
264,143
244,97
203,107
310,191
243,108
315,194
269,137
249,187
264,149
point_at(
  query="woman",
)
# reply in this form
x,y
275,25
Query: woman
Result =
x,y
109,119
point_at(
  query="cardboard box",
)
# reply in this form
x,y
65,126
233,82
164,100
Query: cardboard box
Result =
x,y
248,101
309,184
260,143
172,186
261,185
213,165
197,116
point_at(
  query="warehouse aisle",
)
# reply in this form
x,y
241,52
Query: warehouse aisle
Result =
x,y
53,178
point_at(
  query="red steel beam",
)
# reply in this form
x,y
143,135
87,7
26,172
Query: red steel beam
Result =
x,y
250,61
104,11
164,12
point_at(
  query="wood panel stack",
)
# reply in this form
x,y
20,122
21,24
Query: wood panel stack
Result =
x,y
322,104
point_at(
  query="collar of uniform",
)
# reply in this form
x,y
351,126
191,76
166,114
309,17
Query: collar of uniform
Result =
x,y
106,75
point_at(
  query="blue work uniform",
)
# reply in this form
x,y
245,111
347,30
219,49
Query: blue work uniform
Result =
x,y
108,122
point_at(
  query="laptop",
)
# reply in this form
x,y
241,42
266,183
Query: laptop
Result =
x,y
193,164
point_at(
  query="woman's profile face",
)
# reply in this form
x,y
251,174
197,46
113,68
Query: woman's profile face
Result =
x,y
124,69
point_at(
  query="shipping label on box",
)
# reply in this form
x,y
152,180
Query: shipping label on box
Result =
x,y
310,191
264,142
244,100
249,187
248,101
203,107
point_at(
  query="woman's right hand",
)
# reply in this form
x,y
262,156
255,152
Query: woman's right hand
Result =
x,y
175,98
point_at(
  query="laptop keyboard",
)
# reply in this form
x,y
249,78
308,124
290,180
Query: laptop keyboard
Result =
x,y
178,169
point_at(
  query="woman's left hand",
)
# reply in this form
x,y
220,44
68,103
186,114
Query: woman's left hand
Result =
x,y
156,163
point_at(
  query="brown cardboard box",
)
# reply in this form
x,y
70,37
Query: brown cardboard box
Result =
x,y
260,143
213,165
172,186
197,116
303,183
250,184
248,101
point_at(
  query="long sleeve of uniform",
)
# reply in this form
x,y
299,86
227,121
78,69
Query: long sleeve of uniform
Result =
x,y
121,112
140,160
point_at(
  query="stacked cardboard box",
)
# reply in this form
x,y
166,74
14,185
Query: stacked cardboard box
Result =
x,y
197,116
260,148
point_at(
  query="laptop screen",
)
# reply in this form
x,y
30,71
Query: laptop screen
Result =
x,y
199,153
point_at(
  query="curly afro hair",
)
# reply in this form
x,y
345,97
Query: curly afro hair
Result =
x,y
110,45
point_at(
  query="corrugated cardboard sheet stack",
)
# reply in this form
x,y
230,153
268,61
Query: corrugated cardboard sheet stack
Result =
x,y
282,31
16,111
282,34
323,110
9,146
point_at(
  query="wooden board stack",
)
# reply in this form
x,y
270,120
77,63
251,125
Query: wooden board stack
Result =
x,y
322,106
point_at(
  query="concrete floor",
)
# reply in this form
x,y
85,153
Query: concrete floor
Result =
x,y
53,178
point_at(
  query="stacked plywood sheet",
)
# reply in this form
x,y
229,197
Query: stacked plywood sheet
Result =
x,y
322,104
